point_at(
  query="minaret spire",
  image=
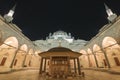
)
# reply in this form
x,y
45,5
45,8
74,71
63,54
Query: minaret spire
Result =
x,y
13,8
9,17
108,10
111,16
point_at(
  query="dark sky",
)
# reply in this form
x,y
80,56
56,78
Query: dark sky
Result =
x,y
37,18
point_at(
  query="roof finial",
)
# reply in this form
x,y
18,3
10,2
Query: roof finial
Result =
x,y
9,17
111,16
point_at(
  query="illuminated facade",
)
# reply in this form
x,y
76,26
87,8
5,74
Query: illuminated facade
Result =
x,y
60,38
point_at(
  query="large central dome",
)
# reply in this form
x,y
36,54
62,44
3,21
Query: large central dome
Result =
x,y
60,35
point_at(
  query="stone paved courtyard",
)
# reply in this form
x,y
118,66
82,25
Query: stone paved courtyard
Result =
x,y
33,75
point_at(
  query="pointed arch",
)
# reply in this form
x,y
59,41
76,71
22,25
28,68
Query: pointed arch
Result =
x,y
8,50
24,48
29,57
108,41
91,58
99,55
84,60
112,49
11,41
83,52
20,57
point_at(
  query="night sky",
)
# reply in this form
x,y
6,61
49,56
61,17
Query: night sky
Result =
x,y
37,18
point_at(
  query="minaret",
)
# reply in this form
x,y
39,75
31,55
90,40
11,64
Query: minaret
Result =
x,y
111,16
9,17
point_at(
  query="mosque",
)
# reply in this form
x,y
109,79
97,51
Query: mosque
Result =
x,y
60,38
59,55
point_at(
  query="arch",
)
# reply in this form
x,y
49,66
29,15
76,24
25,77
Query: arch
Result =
x,y
99,56
36,58
30,51
91,58
84,60
96,48
108,41
24,48
20,56
8,49
89,51
112,50
29,57
11,41
83,52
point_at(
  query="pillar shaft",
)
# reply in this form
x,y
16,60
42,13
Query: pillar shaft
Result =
x,y
95,60
79,69
75,66
24,60
108,63
45,65
89,61
41,64
12,63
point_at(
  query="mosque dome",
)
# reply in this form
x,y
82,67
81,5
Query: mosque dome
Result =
x,y
60,33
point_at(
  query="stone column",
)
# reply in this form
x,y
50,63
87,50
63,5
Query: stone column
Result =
x,y
41,64
89,60
45,65
12,63
25,59
79,69
95,60
50,66
68,61
106,58
74,65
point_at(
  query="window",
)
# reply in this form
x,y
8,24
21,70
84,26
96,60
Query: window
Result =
x,y
15,62
3,61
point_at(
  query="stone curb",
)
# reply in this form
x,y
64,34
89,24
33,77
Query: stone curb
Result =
x,y
103,70
14,70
